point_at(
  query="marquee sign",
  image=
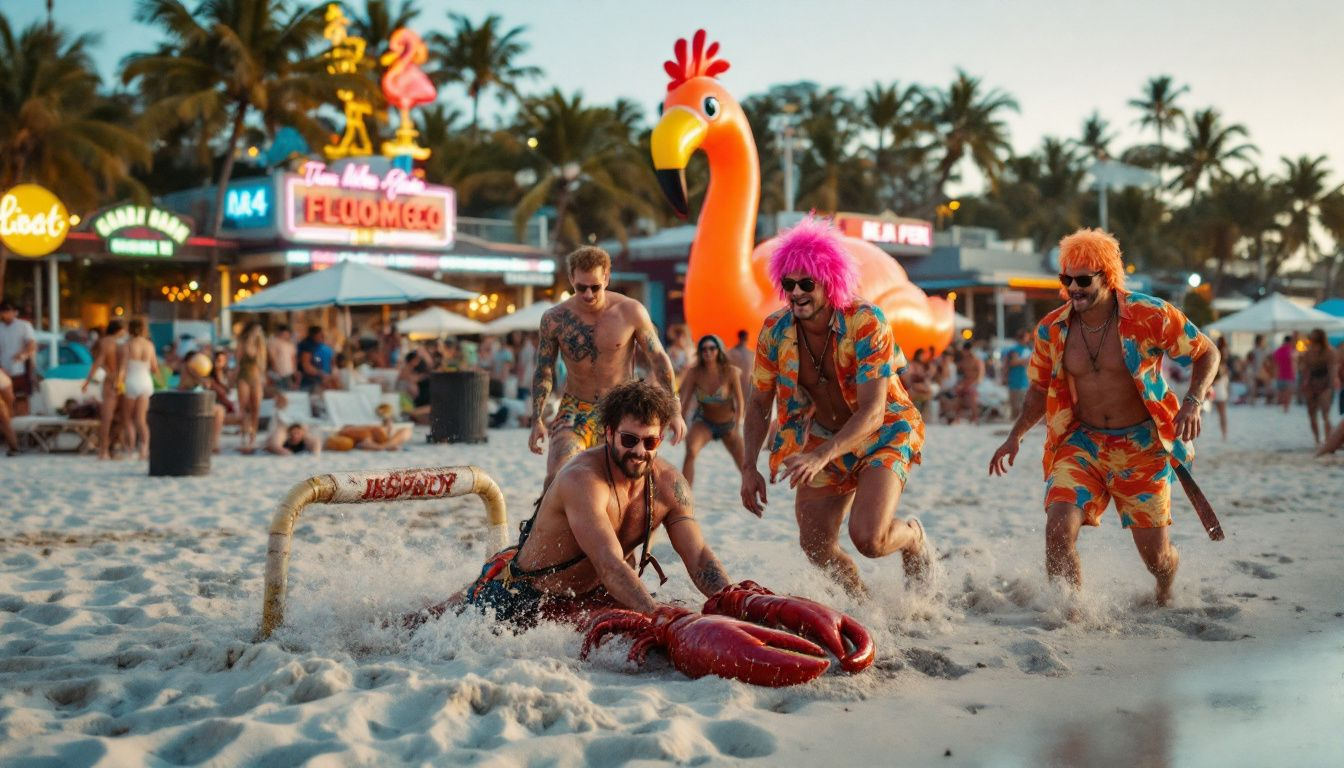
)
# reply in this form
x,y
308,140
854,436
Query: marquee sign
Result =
x,y
33,221
139,230
356,206
899,231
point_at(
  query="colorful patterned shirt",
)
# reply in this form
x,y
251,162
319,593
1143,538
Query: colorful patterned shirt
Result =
x,y
1148,327
864,351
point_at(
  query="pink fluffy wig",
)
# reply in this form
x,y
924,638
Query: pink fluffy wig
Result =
x,y
813,247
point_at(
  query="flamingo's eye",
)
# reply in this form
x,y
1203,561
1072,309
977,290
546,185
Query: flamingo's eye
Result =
x,y
660,109
711,107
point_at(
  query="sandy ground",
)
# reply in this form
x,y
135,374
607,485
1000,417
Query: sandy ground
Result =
x,y
128,607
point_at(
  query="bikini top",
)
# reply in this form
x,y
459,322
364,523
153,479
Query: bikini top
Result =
x,y
713,398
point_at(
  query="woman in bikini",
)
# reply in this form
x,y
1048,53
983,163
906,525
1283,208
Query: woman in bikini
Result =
x,y
251,376
1318,381
716,385
136,382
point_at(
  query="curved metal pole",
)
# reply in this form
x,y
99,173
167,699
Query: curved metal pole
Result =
x,y
370,487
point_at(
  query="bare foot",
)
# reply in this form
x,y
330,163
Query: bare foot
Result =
x,y
918,563
1165,579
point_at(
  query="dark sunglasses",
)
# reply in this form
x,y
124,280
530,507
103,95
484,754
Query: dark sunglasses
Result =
x,y
630,440
1082,281
807,284
596,288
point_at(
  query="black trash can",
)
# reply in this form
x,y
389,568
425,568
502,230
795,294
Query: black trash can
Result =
x,y
459,405
181,433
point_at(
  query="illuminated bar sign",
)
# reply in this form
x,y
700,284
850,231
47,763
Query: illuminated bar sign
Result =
x,y
424,262
33,222
139,230
356,206
876,229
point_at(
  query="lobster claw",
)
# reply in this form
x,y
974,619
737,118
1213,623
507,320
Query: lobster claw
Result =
x,y
610,622
701,645
840,633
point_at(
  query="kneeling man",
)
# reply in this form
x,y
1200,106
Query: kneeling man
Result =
x,y
578,550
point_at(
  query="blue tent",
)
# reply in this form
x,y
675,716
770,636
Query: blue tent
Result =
x,y
1333,307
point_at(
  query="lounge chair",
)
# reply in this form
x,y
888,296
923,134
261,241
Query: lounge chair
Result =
x,y
48,430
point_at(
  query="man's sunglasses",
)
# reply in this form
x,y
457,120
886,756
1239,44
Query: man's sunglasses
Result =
x,y
1082,281
807,284
596,288
630,440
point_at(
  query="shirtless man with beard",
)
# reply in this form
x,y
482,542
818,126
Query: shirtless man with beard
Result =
x,y
596,333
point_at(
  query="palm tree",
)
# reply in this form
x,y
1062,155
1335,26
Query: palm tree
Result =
x,y
1304,186
830,173
481,57
1332,220
969,120
380,20
55,128
1096,138
586,167
231,61
1209,148
1158,105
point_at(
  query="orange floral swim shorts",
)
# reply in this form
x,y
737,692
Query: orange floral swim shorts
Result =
x,y
1093,466
579,417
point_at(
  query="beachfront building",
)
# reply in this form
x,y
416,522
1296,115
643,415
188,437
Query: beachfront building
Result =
x,y
369,211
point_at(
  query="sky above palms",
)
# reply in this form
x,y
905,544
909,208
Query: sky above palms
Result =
x,y
1271,66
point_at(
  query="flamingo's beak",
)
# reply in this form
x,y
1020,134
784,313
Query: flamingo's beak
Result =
x,y
675,138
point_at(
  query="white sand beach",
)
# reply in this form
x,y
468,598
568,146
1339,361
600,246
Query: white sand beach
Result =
x,y
128,607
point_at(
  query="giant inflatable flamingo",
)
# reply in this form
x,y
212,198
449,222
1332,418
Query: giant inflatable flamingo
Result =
x,y
727,286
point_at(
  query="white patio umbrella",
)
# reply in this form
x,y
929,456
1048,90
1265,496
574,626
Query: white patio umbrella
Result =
x,y
437,321
1276,313
526,319
349,284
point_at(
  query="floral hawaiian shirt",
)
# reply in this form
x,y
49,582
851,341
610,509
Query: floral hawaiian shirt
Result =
x,y
864,351
1149,327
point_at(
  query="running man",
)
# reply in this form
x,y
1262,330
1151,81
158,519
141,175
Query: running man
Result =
x,y
848,432
596,333
1114,429
577,553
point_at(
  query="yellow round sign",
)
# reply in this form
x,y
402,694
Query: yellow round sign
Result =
x,y
33,222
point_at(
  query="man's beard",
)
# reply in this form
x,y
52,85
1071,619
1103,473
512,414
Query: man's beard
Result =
x,y
630,466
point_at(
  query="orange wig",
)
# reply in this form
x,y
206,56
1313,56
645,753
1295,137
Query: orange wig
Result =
x,y
1094,250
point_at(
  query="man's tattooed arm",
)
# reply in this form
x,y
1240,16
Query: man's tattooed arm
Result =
x,y
657,356
544,378
704,568
710,577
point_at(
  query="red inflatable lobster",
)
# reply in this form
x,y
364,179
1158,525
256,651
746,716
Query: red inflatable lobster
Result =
x,y
725,645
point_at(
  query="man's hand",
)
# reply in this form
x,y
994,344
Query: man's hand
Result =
x,y
1188,421
800,468
753,491
538,436
1008,452
678,427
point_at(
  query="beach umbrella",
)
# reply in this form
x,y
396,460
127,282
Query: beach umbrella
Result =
x,y
1276,313
526,319
437,321
349,284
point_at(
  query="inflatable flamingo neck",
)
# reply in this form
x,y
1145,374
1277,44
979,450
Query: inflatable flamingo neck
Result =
x,y
727,223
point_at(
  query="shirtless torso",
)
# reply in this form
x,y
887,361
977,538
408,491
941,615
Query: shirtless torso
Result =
x,y
831,409
1104,394
597,338
553,540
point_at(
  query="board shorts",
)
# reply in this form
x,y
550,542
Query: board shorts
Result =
x,y
717,429
580,418
841,475
517,602
1093,466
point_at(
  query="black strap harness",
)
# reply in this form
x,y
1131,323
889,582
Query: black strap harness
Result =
x,y
513,571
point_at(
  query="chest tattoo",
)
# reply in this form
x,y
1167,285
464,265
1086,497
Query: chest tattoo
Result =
x,y
576,337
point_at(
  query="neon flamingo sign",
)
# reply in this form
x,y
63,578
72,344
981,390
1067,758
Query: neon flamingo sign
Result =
x,y
357,206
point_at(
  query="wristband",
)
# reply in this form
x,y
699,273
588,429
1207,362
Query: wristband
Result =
x,y
1192,399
